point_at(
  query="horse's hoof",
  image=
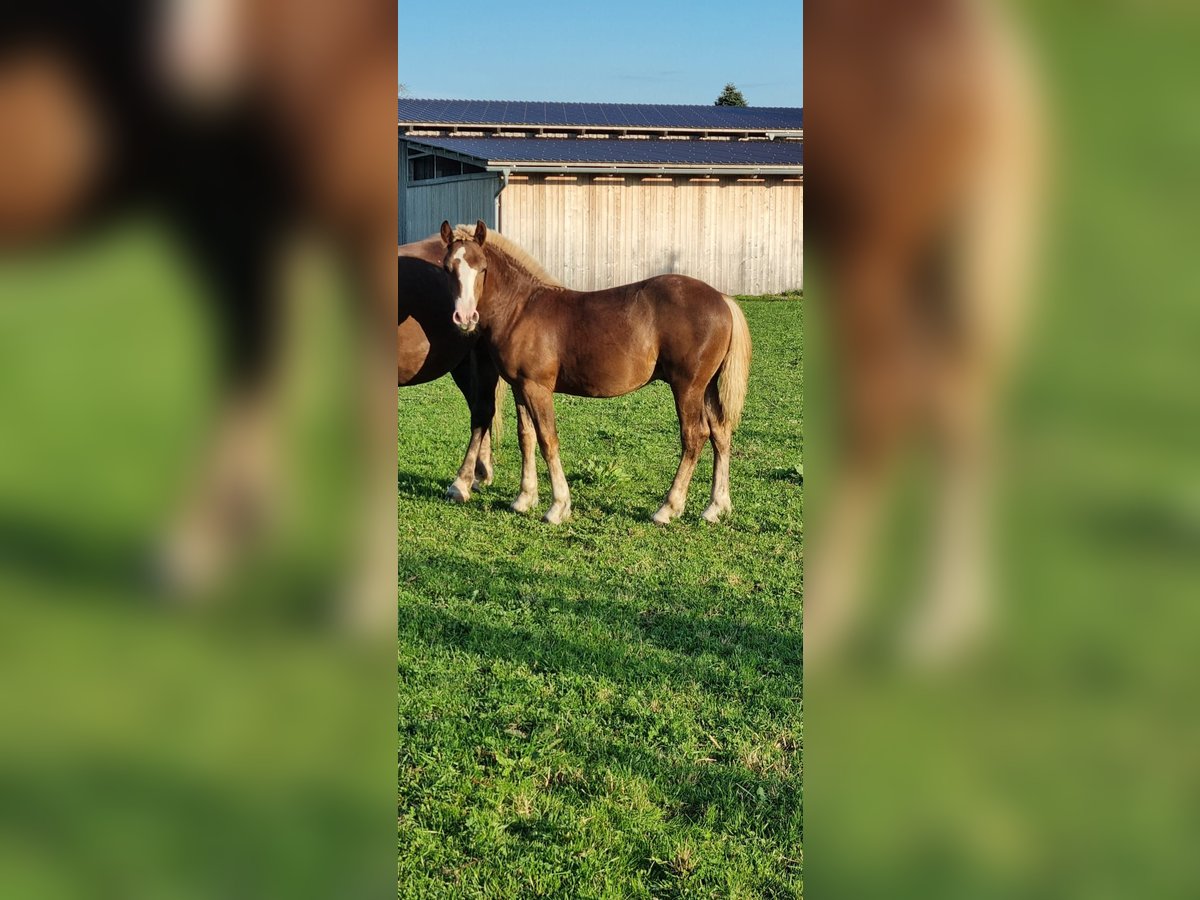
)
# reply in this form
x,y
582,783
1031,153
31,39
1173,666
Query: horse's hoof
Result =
x,y
714,512
556,515
664,516
183,570
945,634
483,476
456,493
523,504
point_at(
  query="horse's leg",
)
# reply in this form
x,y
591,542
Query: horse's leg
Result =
x,y
488,382
484,466
693,432
466,376
527,499
997,242
230,499
876,403
540,403
234,492
719,432
958,603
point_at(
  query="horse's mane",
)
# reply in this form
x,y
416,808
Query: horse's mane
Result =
x,y
514,254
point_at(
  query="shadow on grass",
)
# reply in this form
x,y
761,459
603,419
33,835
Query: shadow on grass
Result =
x,y
62,558
724,770
1162,527
588,498
632,641
413,486
58,564
120,827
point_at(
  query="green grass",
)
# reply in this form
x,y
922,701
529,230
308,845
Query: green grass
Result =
x,y
606,708
145,753
1062,763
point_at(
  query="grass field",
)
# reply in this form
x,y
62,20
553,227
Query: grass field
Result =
x,y
607,708
146,752
1062,764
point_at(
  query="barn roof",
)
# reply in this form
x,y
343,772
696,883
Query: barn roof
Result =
x,y
599,115
786,157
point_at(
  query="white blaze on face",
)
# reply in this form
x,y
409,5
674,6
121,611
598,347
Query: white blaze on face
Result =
x,y
200,47
465,314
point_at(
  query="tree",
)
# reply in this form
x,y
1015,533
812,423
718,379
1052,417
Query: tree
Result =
x,y
402,90
731,96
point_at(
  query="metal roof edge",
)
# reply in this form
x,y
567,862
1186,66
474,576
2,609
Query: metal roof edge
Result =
x,y
542,167
772,130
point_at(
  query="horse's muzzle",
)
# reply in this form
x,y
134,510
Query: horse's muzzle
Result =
x,y
466,324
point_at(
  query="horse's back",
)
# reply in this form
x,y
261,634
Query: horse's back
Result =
x,y
659,295
683,291
688,312
430,249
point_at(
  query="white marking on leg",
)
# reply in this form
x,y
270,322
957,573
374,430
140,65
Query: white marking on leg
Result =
x,y
527,499
719,503
958,604
560,509
460,490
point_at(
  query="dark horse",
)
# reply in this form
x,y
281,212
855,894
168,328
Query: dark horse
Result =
x,y
545,338
428,345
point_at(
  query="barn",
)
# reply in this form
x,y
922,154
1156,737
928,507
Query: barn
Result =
x,y
610,193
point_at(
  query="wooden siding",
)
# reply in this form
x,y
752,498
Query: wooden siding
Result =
x,y
740,237
464,198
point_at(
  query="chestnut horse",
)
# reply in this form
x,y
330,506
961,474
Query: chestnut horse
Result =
x,y
925,275
546,338
428,346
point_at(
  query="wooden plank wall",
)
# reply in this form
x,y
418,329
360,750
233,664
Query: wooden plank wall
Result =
x,y
464,198
740,237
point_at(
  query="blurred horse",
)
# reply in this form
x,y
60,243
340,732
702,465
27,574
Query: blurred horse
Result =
x,y
428,346
923,152
241,124
547,339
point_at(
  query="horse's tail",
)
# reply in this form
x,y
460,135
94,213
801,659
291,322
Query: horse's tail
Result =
x,y
497,429
734,373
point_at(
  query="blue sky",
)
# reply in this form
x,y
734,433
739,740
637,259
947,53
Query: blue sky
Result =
x,y
621,51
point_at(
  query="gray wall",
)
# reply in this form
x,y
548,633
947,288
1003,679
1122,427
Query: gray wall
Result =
x,y
461,199
424,205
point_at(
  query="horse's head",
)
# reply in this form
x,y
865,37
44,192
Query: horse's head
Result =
x,y
467,264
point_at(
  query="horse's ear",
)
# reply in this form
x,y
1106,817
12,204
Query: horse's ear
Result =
x,y
480,232
447,233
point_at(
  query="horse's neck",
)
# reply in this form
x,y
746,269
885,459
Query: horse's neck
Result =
x,y
516,288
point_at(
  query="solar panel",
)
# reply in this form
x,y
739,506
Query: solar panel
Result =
x,y
617,152
612,115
